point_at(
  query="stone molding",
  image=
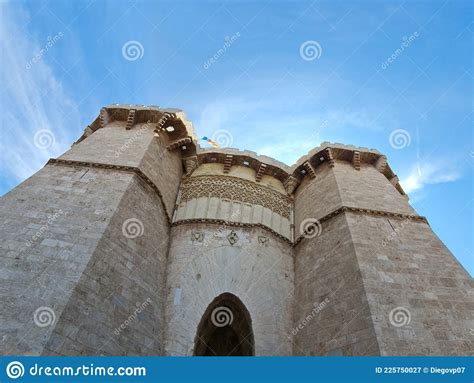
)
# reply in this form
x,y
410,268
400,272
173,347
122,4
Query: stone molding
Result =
x,y
327,217
147,180
374,213
224,222
121,168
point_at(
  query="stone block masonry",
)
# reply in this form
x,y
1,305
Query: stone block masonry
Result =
x,y
137,241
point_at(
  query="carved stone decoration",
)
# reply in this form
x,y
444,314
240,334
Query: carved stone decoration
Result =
x,y
232,237
356,160
197,236
130,119
291,184
236,189
260,172
104,117
190,164
228,163
263,241
329,156
309,169
381,164
182,141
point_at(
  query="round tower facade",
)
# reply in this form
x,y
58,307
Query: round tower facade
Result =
x,y
231,235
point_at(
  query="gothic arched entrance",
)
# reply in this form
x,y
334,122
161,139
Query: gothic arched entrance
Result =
x,y
225,329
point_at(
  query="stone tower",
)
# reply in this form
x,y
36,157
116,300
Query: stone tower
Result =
x,y
137,241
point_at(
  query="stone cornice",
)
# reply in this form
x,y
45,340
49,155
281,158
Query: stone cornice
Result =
x,y
343,209
179,133
374,213
121,168
307,166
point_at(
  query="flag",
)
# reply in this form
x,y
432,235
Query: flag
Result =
x,y
211,142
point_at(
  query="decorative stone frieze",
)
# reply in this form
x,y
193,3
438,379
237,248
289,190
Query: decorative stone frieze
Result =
x,y
235,189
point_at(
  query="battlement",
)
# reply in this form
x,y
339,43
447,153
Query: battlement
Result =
x,y
179,133
139,212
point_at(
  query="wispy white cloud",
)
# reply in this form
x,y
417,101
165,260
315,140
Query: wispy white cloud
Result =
x,y
425,174
32,99
285,136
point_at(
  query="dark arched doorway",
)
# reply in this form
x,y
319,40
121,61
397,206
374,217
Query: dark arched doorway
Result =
x,y
225,329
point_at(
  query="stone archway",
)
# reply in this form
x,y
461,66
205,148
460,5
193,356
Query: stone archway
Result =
x,y
225,329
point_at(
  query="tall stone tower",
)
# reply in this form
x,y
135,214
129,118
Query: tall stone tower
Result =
x,y
138,242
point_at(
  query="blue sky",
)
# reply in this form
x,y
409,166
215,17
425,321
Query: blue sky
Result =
x,y
395,76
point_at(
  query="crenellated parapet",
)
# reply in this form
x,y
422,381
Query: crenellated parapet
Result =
x,y
264,188
177,131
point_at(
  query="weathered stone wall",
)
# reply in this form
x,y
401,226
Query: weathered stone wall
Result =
x,y
90,275
260,275
137,147
420,297
316,197
332,315
403,292
51,225
117,305
93,241
367,188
